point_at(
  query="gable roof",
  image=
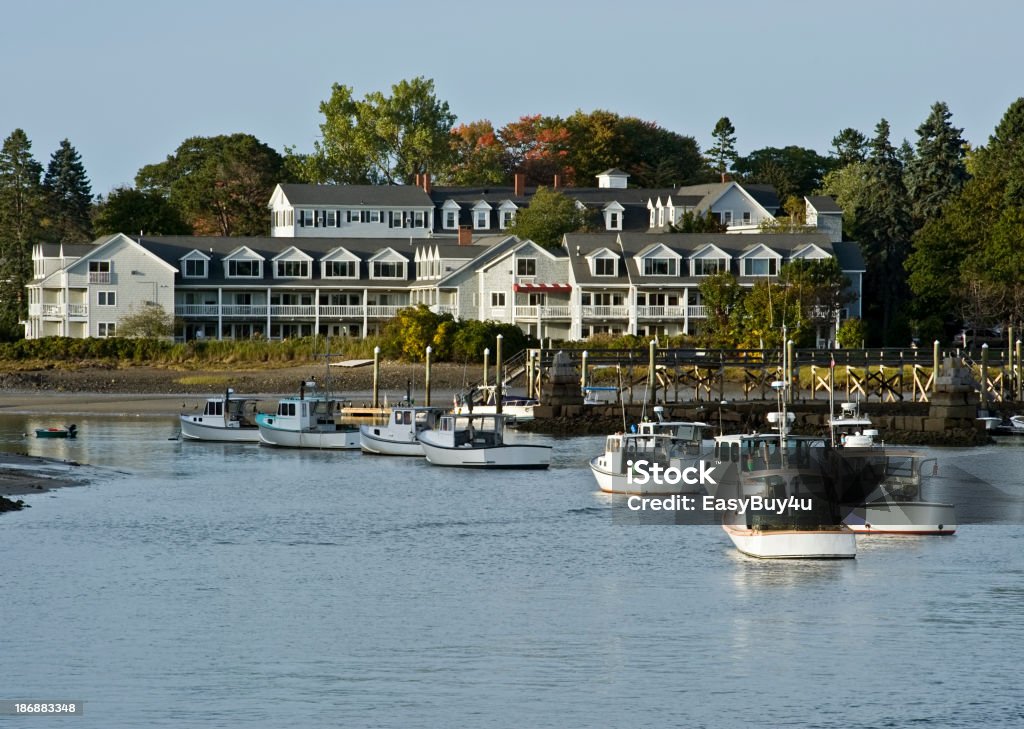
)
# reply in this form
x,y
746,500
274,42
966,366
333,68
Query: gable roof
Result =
x,y
357,195
824,204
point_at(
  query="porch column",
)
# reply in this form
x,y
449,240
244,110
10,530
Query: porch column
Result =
x,y
366,324
631,301
686,310
220,313
267,332
316,311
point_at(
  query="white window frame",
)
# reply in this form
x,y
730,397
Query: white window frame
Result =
x,y
106,329
233,263
604,260
481,219
451,219
773,263
523,266
497,299
106,298
195,262
507,219
649,262
377,268
353,266
280,268
722,265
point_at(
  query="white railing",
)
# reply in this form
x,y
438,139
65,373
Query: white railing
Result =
x,y
697,312
290,310
341,311
556,311
81,310
447,309
243,310
51,309
526,312
660,312
385,312
195,310
99,277
606,312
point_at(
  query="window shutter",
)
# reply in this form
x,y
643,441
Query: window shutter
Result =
x,y
302,219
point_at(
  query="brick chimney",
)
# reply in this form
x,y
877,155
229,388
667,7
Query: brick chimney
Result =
x,y
520,183
465,235
417,182
557,183
426,182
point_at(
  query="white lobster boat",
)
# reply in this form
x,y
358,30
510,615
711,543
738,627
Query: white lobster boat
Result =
x,y
626,465
307,422
478,441
400,436
231,418
802,520
483,401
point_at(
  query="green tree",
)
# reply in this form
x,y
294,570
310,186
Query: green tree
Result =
x,y
22,206
150,321
884,231
549,217
652,155
414,329
791,170
973,245
848,187
939,170
722,297
850,147
382,139
127,210
69,196
722,154
220,184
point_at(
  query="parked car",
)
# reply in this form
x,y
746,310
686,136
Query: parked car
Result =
x,y
974,338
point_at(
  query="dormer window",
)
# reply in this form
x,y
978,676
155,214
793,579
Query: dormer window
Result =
x,y
614,221
760,266
709,266
605,267
508,218
339,269
659,267
451,219
388,269
195,268
244,268
292,269
481,219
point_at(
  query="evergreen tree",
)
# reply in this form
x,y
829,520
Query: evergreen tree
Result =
x,y
131,211
722,154
938,171
69,196
884,229
22,206
850,146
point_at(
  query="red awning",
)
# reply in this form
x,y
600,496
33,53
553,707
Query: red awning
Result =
x,y
546,288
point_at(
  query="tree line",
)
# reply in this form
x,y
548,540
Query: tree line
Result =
x,y
937,220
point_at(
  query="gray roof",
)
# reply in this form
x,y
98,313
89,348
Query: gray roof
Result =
x,y
824,204
357,195
849,255
172,248
630,245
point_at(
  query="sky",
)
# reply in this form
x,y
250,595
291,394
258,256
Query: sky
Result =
x,y
127,82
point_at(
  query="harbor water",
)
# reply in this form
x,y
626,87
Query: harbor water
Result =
x,y
208,585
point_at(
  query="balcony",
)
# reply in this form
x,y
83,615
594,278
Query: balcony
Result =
x,y
99,277
448,309
697,312
563,311
379,311
605,312
660,312
59,311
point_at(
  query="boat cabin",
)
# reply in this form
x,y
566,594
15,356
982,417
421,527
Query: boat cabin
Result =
x,y
471,431
233,411
316,413
621,449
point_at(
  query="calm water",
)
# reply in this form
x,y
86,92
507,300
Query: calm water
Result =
x,y
200,585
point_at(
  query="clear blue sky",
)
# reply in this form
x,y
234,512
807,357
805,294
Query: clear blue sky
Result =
x,y
126,82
